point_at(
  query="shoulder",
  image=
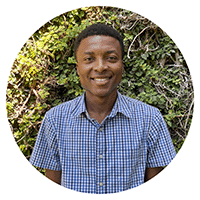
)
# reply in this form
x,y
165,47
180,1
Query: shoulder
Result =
x,y
65,108
136,106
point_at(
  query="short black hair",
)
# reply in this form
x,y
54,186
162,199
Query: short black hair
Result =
x,y
99,29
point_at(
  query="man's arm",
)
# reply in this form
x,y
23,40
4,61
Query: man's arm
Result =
x,y
54,175
151,172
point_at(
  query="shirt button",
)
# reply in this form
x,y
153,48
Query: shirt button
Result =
x,y
100,129
101,184
100,156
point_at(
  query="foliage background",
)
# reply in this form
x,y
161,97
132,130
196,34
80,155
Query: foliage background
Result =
x,y
44,74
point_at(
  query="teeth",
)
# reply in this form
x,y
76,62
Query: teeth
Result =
x,y
101,79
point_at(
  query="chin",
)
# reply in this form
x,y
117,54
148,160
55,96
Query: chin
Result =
x,y
102,93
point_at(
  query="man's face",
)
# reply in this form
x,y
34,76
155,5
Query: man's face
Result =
x,y
99,65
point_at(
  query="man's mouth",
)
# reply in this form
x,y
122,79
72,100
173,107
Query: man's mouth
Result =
x,y
101,79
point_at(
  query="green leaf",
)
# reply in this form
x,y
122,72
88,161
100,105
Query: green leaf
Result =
x,y
71,60
144,56
58,56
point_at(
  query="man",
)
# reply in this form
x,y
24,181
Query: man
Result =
x,y
102,142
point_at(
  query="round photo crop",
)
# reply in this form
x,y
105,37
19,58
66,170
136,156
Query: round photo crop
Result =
x,y
100,100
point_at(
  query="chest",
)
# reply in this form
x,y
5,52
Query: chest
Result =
x,y
110,156
114,139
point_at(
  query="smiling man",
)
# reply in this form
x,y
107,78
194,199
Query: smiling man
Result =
x,y
100,67
102,142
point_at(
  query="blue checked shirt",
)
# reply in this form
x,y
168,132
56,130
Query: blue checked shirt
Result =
x,y
103,158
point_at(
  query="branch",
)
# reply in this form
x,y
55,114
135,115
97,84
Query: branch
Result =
x,y
188,114
134,40
163,86
21,109
147,48
34,43
162,93
22,137
133,25
179,135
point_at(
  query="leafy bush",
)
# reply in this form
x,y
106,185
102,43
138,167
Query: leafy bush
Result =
x,y
44,74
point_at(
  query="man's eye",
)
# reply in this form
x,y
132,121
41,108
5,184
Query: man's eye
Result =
x,y
112,58
88,59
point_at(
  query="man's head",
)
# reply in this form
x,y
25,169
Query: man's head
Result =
x,y
99,29
99,61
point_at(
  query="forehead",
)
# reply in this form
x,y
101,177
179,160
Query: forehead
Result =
x,y
99,43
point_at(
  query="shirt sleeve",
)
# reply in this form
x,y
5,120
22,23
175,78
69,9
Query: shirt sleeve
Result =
x,y
160,150
45,153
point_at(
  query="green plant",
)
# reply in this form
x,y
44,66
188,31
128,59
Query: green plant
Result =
x,y
44,72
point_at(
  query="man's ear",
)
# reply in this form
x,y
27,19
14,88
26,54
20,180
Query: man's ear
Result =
x,y
122,68
77,69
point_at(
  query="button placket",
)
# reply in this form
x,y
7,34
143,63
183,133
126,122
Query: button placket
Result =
x,y
100,160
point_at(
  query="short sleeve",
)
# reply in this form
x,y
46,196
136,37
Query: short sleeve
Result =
x,y
160,150
45,153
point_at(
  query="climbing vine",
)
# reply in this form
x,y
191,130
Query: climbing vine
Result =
x,y
44,73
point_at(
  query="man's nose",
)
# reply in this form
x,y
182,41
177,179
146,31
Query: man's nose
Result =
x,y
100,65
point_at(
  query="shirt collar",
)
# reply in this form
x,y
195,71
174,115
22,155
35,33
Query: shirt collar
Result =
x,y
79,106
119,107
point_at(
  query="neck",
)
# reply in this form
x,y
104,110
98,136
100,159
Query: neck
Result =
x,y
99,107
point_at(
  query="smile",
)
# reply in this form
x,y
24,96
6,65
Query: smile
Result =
x,y
101,80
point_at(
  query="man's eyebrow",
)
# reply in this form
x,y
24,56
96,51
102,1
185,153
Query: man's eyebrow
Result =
x,y
107,52
88,52
111,51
